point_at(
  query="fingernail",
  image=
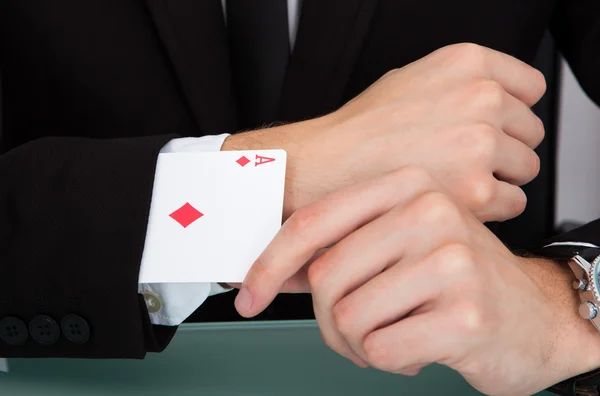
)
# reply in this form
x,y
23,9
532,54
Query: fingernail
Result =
x,y
243,301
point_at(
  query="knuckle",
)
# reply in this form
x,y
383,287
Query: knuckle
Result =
x,y
302,222
411,175
490,87
469,54
319,272
344,318
470,48
472,319
390,73
465,57
481,140
377,353
316,275
489,94
436,207
465,49
482,191
455,259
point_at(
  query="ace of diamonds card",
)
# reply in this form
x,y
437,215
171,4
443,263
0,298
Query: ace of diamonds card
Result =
x,y
212,214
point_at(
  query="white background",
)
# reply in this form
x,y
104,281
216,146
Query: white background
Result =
x,y
578,177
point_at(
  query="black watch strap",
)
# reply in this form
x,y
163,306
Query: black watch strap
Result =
x,y
586,384
582,385
567,252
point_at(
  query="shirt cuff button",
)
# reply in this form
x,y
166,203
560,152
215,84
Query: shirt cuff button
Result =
x,y
153,301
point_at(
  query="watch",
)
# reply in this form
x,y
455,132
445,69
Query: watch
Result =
x,y
584,260
586,267
585,264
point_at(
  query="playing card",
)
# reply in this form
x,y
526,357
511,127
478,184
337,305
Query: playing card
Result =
x,y
212,214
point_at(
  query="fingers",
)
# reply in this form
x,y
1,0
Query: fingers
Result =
x,y
298,283
521,123
515,162
518,78
331,335
490,104
388,320
405,346
506,201
319,225
407,232
385,299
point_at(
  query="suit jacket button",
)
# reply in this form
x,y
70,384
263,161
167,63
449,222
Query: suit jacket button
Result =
x,y
13,331
75,328
44,330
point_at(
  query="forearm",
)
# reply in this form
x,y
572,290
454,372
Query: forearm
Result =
x,y
576,349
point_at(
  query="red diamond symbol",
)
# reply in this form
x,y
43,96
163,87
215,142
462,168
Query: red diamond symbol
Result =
x,y
186,215
243,161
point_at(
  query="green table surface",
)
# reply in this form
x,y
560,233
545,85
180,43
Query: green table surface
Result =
x,y
243,358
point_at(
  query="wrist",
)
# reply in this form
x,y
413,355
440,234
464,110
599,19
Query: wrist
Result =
x,y
296,139
574,342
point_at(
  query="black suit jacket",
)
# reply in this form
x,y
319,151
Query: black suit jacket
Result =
x,y
93,89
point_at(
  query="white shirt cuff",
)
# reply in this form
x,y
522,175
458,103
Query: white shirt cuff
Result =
x,y
216,288
169,304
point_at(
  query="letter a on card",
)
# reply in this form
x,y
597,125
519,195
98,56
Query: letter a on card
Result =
x,y
262,160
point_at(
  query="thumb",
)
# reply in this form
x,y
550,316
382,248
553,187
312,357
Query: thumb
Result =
x,y
255,296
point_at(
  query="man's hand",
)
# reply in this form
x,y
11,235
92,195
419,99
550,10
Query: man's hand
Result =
x,y
414,278
463,113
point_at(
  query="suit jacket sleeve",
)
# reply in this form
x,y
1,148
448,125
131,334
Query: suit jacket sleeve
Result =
x,y
575,27
73,217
